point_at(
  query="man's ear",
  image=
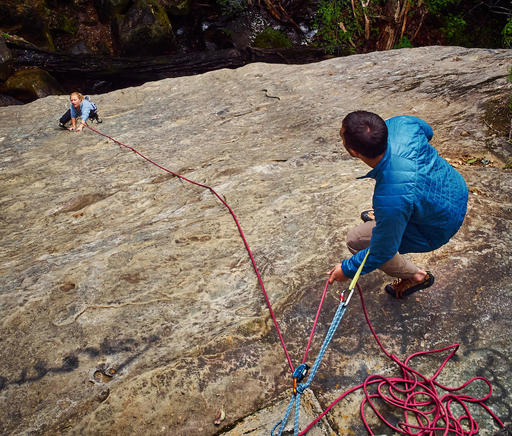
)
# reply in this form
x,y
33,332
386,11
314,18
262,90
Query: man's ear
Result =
x,y
355,153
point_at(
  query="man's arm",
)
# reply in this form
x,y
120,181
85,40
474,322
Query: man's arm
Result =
x,y
336,274
386,237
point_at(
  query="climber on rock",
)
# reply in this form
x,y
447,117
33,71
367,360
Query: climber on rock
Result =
x,y
82,107
419,200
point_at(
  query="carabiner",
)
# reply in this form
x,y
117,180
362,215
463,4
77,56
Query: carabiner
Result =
x,y
342,296
298,375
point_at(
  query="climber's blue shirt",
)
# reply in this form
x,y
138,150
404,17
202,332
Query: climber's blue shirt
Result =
x,y
419,199
86,107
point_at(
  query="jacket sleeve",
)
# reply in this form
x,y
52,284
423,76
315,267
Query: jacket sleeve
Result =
x,y
387,234
73,111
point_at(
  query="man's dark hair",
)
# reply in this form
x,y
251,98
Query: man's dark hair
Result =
x,y
366,133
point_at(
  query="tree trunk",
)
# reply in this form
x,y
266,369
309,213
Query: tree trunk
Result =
x,y
395,16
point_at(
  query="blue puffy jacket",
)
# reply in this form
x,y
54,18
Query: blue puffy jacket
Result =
x,y
419,199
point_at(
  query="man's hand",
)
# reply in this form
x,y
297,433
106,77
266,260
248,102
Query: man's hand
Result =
x,y
336,274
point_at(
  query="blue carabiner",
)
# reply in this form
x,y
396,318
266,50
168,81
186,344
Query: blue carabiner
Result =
x,y
300,372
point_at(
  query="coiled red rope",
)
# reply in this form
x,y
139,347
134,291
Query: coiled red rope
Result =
x,y
424,411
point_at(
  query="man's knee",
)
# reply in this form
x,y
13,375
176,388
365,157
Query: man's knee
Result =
x,y
350,240
354,243
358,238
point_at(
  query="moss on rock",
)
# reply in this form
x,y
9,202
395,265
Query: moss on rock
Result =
x,y
271,38
176,7
145,28
31,83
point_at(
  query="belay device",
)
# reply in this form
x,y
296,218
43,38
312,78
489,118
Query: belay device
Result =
x,y
300,372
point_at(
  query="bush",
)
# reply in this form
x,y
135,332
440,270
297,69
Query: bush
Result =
x,y
404,43
336,26
454,29
507,38
271,38
438,6
231,8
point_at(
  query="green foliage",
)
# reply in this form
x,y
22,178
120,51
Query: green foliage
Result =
x,y
231,8
454,29
507,39
66,24
336,26
404,43
438,6
509,78
271,38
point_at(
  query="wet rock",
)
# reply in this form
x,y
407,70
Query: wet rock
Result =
x,y
31,83
80,48
145,28
5,61
7,100
109,8
127,298
104,73
176,8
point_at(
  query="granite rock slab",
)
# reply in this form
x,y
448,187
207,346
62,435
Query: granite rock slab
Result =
x,y
128,302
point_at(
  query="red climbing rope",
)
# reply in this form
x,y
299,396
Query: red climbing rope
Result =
x,y
237,224
315,322
423,410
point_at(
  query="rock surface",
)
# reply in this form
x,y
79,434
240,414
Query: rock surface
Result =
x,y
128,301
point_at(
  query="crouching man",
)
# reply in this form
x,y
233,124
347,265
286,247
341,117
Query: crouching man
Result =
x,y
419,200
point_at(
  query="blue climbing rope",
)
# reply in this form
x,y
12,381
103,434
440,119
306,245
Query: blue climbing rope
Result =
x,y
301,387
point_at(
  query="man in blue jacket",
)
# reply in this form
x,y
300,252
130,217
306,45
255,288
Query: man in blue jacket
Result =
x,y
419,200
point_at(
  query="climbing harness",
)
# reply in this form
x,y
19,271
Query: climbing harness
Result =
x,y
414,393
301,387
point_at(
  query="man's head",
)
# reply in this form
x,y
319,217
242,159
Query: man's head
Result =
x,y
365,133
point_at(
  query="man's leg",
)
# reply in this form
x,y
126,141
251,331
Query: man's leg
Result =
x,y
398,266
410,277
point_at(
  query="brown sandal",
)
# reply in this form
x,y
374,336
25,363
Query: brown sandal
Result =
x,y
402,287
